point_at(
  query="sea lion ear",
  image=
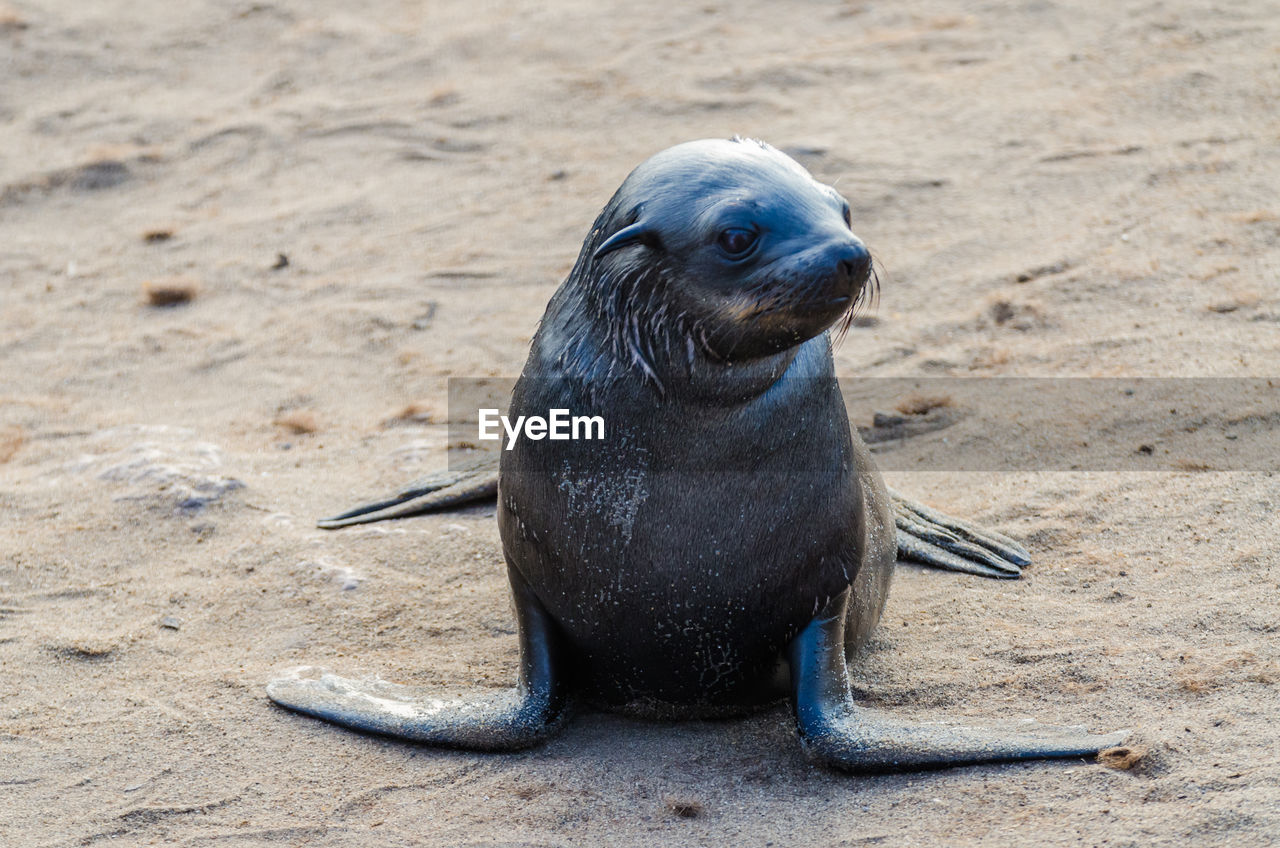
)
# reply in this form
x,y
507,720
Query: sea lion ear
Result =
x,y
637,233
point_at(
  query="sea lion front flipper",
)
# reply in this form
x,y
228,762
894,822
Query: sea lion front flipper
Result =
x,y
452,487
839,733
503,721
928,536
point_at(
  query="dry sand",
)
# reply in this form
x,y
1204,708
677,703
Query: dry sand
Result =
x,y
429,171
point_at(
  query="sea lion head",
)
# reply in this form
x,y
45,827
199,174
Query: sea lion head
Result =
x,y
730,245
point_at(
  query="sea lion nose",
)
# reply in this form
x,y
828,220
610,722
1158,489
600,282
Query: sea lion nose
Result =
x,y
854,261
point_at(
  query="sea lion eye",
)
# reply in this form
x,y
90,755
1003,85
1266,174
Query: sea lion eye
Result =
x,y
848,216
736,242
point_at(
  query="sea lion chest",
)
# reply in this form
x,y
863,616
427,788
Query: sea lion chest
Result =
x,y
683,551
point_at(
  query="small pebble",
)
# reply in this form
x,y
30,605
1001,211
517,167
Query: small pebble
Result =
x,y
170,292
685,808
1124,757
299,423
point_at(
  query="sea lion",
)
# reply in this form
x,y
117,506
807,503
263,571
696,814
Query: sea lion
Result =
x,y
733,543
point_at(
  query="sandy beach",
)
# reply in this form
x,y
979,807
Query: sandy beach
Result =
x,y
244,246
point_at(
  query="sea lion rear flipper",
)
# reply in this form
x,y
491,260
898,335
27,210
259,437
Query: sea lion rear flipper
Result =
x,y
504,721
934,538
449,488
838,733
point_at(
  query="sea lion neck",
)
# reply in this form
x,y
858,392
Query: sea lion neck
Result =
x,y
586,339
725,383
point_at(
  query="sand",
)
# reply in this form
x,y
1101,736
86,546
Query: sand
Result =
x,y
240,240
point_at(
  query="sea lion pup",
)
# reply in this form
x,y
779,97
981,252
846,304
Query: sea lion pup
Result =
x,y
732,542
